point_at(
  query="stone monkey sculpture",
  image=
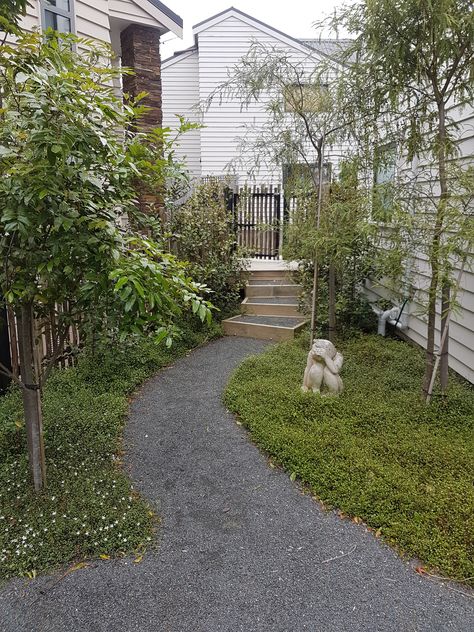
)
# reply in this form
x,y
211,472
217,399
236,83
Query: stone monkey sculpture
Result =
x,y
323,366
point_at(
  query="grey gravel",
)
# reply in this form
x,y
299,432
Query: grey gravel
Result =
x,y
241,548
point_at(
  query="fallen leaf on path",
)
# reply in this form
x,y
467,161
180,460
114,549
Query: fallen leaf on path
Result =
x,y
77,567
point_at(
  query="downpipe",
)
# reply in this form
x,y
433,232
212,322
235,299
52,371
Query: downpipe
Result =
x,y
394,316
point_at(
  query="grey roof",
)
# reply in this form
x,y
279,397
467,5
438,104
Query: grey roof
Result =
x,y
329,47
164,9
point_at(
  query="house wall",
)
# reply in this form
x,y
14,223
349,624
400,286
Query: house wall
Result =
x,y
221,46
91,17
461,346
180,80
98,19
190,79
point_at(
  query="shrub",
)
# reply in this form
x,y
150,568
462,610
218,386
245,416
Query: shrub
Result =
x,y
203,235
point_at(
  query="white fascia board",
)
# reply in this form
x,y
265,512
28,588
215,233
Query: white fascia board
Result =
x,y
164,22
285,39
178,57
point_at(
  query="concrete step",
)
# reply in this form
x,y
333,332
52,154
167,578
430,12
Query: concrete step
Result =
x,y
272,288
271,306
264,327
270,275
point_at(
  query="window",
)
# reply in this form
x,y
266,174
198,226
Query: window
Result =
x,y
385,159
304,97
301,176
58,15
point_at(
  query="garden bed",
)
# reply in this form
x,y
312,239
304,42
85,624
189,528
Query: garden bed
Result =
x,y
89,508
377,453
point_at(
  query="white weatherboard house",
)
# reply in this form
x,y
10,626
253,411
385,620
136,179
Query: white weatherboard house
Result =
x,y
131,27
190,77
412,320
102,20
461,330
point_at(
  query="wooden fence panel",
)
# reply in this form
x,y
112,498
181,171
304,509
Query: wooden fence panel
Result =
x,y
49,346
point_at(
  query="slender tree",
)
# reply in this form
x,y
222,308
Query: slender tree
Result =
x,y
303,125
66,182
411,61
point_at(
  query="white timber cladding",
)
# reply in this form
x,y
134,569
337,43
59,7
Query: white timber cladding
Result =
x,y
461,344
102,20
180,94
221,44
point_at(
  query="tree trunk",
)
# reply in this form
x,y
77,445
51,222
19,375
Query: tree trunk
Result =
x,y
332,302
444,351
31,396
314,310
446,289
435,263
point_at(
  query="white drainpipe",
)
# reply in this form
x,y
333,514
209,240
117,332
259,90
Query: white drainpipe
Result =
x,y
391,316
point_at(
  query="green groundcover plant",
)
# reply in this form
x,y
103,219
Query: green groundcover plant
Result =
x,y
89,508
377,453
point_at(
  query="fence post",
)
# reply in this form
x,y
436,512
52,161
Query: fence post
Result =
x,y
5,356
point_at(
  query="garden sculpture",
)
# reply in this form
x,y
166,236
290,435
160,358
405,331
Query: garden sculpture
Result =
x,y
323,366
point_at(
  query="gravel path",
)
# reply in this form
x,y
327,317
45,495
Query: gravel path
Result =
x,y
240,547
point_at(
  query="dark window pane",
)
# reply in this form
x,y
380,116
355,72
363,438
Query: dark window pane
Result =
x,y
60,4
57,22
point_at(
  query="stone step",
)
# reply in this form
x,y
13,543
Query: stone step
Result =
x,y
271,306
270,275
272,288
264,327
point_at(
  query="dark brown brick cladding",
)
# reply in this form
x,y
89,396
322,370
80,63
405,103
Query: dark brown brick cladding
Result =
x,y
141,52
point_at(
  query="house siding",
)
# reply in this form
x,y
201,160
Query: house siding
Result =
x,y
221,46
461,344
180,81
188,80
92,17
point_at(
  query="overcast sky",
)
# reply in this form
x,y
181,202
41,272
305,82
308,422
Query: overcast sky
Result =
x,y
294,17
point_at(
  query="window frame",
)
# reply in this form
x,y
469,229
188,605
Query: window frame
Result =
x,y
71,14
384,178
305,88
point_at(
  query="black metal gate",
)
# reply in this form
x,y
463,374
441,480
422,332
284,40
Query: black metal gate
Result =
x,y
257,217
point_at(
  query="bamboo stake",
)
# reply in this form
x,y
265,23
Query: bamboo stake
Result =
x,y
318,222
447,320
